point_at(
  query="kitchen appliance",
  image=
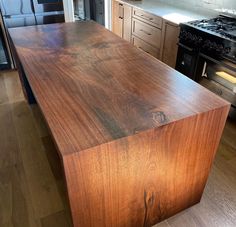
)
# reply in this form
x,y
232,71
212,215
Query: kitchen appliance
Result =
x,y
5,61
90,10
207,54
17,13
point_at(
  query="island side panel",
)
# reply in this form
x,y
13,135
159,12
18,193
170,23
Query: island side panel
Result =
x,y
144,179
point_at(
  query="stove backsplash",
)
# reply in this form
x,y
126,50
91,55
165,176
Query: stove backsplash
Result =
x,y
215,5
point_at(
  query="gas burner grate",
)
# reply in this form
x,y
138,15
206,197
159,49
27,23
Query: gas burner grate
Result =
x,y
222,25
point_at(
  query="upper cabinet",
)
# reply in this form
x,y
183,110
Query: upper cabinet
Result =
x,y
146,31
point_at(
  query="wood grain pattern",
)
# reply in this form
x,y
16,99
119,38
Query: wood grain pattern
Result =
x,y
144,179
89,101
137,139
217,206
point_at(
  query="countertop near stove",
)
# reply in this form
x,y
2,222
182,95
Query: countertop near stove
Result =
x,y
171,13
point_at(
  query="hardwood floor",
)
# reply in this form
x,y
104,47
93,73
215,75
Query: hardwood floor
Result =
x,y
32,189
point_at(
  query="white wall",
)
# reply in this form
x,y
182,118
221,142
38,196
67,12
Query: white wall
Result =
x,y
108,10
68,10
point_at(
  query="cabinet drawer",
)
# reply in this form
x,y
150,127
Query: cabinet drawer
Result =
x,y
146,32
148,18
155,52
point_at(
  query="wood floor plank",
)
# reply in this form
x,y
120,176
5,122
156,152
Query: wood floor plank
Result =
x,y
5,203
162,224
16,207
57,170
39,121
229,135
53,157
43,188
55,220
8,139
13,87
3,93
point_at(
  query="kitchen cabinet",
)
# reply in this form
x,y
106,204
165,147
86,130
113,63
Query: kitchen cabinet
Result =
x,y
122,20
146,31
147,18
145,47
117,18
170,43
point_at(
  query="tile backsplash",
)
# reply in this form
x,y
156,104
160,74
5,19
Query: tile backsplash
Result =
x,y
215,5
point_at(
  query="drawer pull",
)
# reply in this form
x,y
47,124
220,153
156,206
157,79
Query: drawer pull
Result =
x,y
148,18
147,33
121,17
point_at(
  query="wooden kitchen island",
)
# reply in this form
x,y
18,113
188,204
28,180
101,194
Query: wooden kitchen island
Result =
x,y
136,138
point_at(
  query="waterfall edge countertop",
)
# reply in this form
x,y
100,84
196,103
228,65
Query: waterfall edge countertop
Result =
x,y
129,129
169,12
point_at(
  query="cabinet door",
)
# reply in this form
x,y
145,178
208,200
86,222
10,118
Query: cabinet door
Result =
x,y
127,24
117,18
170,47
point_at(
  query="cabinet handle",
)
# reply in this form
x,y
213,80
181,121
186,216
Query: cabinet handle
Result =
x,y
148,18
121,11
147,33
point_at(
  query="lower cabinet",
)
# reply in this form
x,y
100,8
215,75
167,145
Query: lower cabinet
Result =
x,y
170,43
122,20
117,18
142,45
148,32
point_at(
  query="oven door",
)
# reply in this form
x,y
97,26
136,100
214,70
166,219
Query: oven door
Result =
x,y
187,61
220,78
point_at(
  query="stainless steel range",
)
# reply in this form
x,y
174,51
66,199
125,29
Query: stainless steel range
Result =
x,y
207,54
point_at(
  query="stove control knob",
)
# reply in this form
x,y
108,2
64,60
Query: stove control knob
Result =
x,y
227,50
207,44
214,46
198,40
183,35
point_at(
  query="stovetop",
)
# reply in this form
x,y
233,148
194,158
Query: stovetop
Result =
x,y
222,26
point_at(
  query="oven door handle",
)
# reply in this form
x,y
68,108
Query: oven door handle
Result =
x,y
185,47
218,62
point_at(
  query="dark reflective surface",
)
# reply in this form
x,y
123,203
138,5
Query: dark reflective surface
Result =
x,y
17,13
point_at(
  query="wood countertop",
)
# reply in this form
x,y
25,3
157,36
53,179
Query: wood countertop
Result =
x,y
94,87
